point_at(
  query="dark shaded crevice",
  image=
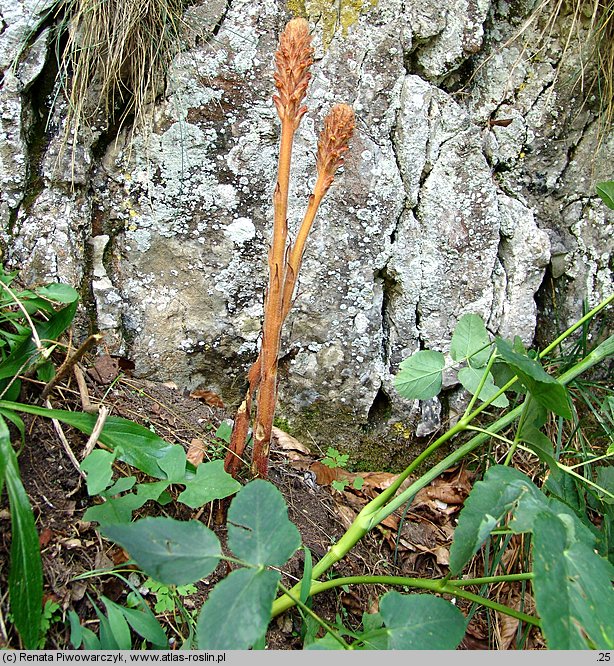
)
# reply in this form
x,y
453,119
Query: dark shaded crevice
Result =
x,y
218,26
380,409
390,288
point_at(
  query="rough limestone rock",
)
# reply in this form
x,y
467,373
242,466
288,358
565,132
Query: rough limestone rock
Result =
x,y
469,187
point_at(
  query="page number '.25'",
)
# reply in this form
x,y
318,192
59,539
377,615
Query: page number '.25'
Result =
x,y
603,656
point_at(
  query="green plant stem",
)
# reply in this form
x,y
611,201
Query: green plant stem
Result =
x,y
437,586
316,617
591,461
377,510
485,374
494,435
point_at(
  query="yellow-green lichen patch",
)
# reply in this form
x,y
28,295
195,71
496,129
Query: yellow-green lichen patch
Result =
x,y
331,16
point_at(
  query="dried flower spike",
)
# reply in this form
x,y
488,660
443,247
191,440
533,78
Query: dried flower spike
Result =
x,y
293,59
338,129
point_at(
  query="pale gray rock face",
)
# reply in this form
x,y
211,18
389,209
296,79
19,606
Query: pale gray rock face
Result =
x,y
436,213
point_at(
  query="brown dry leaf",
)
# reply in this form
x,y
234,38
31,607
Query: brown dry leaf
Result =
x,y
442,555
196,451
105,369
291,447
45,537
324,475
346,515
209,397
508,626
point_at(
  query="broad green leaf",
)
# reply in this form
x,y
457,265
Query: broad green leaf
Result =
x,y
170,551
306,580
144,622
151,491
470,341
105,632
58,292
173,464
606,191
25,578
117,624
471,377
114,509
539,444
573,590
146,625
211,482
98,466
488,503
79,634
259,531
543,387
224,431
238,610
327,642
605,480
122,484
421,622
132,443
420,376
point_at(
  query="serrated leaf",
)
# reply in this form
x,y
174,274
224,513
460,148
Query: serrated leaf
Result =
x,y
25,578
605,191
259,531
470,341
210,482
170,551
421,622
573,589
98,466
543,387
471,377
238,610
420,376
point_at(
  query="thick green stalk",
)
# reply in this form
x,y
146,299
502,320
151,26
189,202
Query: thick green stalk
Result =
x,y
438,586
377,510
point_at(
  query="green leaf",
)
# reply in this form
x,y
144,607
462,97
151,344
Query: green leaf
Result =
x,y
60,293
471,377
543,387
98,466
132,443
606,191
238,610
122,484
573,590
151,491
211,482
143,622
224,431
470,341
173,464
539,444
170,551
114,510
259,530
25,579
421,622
420,376
306,580
488,503
117,624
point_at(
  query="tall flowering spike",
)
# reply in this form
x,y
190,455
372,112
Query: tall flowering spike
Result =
x,y
334,140
293,59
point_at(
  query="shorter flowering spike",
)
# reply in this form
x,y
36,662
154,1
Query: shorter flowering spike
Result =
x,y
334,140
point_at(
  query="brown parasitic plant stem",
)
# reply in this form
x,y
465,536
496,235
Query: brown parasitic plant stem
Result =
x,y
293,59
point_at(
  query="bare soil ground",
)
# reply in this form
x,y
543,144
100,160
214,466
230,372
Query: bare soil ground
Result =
x,y
414,546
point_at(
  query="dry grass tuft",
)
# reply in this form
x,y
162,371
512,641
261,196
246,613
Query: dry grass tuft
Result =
x,y
596,53
116,57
